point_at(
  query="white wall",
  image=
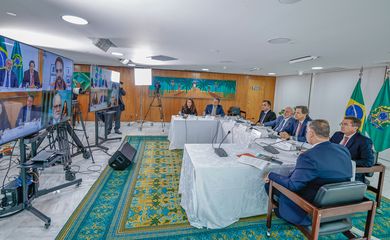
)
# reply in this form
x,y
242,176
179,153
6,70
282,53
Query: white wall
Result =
x,y
330,93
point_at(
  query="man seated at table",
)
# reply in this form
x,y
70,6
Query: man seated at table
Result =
x,y
266,115
28,113
297,131
358,145
215,108
282,122
324,163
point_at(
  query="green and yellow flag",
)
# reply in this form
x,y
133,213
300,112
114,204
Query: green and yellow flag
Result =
x,y
378,121
3,52
17,59
355,106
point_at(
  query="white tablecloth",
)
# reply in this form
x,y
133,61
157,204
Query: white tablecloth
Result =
x,y
216,192
193,130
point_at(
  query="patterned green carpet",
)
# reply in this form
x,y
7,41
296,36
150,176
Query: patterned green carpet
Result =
x,y
142,202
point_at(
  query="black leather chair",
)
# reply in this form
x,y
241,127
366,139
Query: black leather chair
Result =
x,y
331,210
236,111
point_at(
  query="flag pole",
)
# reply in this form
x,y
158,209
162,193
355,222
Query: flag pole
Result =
x,y
361,73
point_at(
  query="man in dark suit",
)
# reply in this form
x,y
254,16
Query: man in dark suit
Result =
x,y
28,113
118,109
358,145
297,131
266,115
7,76
215,108
31,77
284,122
325,163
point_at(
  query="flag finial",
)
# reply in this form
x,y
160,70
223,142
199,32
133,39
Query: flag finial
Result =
x,y
361,73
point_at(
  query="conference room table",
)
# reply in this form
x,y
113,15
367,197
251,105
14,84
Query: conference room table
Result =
x,y
218,191
196,129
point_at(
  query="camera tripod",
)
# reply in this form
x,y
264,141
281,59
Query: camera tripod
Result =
x,y
156,96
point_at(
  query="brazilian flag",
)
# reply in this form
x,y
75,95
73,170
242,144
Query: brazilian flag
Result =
x,y
17,59
3,52
355,106
378,121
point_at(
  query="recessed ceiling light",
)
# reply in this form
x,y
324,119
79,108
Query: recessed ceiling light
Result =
x,y
125,61
131,65
117,54
11,14
300,73
205,69
224,67
302,59
317,68
75,20
271,74
288,1
279,40
254,69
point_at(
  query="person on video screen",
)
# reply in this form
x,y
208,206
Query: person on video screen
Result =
x,y
4,122
31,77
28,113
57,109
59,83
8,77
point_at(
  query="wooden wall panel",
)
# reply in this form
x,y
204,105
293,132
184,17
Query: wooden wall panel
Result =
x,y
247,99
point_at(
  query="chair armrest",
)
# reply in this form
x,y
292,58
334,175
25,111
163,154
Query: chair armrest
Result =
x,y
376,168
305,205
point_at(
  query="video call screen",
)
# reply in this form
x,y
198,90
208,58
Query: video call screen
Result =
x,y
104,89
35,89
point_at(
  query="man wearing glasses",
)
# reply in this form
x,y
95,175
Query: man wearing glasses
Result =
x,y
358,145
266,115
57,109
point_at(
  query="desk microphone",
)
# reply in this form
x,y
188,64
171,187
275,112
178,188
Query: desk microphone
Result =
x,y
220,151
269,148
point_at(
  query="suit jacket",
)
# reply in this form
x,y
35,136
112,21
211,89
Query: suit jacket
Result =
x,y
26,79
360,148
35,114
294,127
275,123
324,163
219,111
14,79
270,116
121,104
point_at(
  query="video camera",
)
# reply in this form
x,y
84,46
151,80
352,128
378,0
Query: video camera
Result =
x,y
157,87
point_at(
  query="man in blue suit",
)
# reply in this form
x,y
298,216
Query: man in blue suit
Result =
x,y
358,145
7,76
297,131
282,122
29,112
324,163
215,108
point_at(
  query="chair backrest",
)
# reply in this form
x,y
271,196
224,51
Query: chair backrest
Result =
x,y
336,194
234,111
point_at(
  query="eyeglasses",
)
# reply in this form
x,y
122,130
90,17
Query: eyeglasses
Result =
x,y
57,106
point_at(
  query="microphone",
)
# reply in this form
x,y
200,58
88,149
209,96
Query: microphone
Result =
x,y
269,148
220,151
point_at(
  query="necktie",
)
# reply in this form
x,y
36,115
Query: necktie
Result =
x,y
31,79
7,82
298,129
28,114
280,126
262,119
344,141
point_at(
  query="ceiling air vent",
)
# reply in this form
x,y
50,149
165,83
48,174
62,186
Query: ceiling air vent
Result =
x,y
103,43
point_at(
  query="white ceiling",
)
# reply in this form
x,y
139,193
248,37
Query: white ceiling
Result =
x,y
221,35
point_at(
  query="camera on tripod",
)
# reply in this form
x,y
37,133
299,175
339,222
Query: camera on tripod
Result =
x,y
157,87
